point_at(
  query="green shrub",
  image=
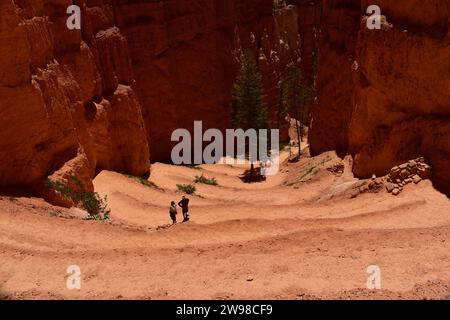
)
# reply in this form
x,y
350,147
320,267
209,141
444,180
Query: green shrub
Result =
x,y
204,180
192,166
60,187
144,182
95,205
186,188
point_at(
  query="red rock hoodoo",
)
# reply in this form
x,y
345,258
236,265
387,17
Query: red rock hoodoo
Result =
x,y
68,107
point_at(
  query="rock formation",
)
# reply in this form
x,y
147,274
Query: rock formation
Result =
x,y
67,103
383,95
74,102
413,171
182,56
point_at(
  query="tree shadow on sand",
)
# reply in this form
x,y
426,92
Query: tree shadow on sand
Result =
x,y
252,175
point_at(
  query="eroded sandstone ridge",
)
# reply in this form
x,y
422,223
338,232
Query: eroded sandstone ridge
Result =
x,y
383,95
67,102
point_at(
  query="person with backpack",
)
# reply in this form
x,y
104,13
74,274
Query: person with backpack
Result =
x,y
173,212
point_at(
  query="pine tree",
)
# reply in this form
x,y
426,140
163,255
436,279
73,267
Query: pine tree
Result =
x,y
249,110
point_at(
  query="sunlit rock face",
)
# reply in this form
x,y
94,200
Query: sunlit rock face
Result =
x,y
383,95
75,102
68,106
184,58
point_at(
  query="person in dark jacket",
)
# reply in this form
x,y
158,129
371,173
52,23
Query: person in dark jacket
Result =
x,y
184,204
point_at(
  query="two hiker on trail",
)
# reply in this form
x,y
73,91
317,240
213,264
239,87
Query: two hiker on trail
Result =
x,y
184,204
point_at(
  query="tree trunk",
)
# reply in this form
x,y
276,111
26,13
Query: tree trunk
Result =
x,y
298,137
301,131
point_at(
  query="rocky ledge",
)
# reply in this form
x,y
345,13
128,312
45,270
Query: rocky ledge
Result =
x,y
413,171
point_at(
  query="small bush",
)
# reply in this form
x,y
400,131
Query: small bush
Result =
x,y
204,180
186,188
95,205
192,166
144,182
60,187
311,170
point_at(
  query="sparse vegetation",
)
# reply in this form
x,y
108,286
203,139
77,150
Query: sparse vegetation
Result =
x,y
311,170
95,205
143,181
204,180
92,202
327,159
61,188
192,166
186,188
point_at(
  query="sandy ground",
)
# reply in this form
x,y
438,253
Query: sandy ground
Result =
x,y
296,236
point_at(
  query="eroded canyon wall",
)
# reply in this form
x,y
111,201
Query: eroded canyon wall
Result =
x,y
309,25
340,23
74,102
67,102
384,95
184,62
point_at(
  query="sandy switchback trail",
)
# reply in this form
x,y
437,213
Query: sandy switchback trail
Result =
x,y
296,236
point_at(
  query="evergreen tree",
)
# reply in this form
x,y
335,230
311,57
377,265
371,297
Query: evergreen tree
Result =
x,y
249,110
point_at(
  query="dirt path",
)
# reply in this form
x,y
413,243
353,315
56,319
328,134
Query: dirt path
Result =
x,y
296,236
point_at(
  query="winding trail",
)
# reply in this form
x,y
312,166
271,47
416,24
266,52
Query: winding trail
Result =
x,y
296,236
